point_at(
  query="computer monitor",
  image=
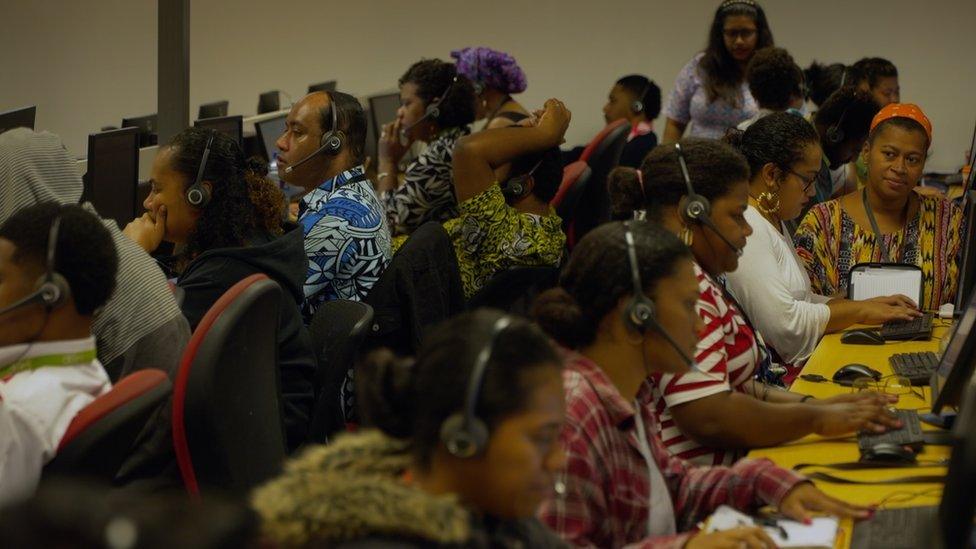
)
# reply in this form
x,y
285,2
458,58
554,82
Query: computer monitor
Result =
x,y
147,125
18,118
956,365
213,110
384,108
230,125
268,132
322,86
269,102
369,151
958,503
967,259
113,171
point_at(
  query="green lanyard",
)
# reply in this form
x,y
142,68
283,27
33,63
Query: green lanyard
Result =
x,y
44,361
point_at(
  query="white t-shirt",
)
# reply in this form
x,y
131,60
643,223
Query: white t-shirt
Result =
x,y
37,406
772,286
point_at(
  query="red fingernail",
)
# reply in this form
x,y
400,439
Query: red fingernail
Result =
x,y
807,521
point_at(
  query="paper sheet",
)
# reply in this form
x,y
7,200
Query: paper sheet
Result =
x,y
876,282
821,533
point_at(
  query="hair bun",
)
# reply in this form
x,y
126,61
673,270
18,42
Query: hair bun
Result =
x,y
560,316
626,192
384,393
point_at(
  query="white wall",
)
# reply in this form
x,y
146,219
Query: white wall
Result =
x,y
87,64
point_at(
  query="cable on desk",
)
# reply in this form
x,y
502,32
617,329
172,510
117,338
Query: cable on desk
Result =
x,y
904,496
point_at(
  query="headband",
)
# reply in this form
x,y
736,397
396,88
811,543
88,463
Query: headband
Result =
x,y
903,110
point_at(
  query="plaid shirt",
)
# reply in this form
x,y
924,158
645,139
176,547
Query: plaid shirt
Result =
x,y
606,496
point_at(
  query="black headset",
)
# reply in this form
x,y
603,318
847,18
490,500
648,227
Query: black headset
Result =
x,y
51,289
433,110
463,433
835,133
517,187
198,195
331,142
694,207
637,106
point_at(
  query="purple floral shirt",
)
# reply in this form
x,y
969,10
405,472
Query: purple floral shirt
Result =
x,y
689,103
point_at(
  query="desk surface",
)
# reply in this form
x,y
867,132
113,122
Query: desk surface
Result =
x,y
830,355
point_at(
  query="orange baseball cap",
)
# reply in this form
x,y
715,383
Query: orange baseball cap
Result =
x,y
903,110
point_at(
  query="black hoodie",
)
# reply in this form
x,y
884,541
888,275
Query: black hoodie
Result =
x,y
283,259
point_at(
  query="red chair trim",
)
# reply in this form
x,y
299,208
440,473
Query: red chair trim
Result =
x,y
595,142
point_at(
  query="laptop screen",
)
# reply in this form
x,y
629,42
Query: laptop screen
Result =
x,y
956,364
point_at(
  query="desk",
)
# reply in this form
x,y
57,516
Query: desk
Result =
x,y
830,355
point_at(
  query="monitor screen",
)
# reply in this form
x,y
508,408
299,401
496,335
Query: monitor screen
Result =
x,y
229,125
18,118
967,259
322,86
956,365
147,125
268,132
369,150
958,498
269,102
213,110
113,171
384,109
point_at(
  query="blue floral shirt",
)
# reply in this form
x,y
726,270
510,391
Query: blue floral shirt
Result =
x,y
347,240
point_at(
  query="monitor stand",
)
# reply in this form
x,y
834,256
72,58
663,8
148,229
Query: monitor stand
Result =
x,y
944,421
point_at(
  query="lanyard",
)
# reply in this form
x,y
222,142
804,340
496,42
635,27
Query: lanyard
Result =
x,y
874,224
37,362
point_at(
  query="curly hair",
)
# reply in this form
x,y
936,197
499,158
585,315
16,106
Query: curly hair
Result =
x,y
598,274
242,202
493,69
84,253
720,72
775,80
823,80
870,70
853,109
714,168
433,77
778,138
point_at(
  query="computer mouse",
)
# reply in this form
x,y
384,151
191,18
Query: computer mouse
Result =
x,y
847,374
888,452
862,337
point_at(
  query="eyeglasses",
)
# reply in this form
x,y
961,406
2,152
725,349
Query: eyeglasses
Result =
x,y
893,385
807,182
745,34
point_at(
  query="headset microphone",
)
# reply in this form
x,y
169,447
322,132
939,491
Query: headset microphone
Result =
x,y
696,208
331,142
433,110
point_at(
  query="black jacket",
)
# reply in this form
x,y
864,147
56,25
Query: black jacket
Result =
x,y
283,260
636,149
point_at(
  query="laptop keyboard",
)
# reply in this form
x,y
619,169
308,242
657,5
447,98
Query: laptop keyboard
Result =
x,y
910,433
918,328
917,367
904,528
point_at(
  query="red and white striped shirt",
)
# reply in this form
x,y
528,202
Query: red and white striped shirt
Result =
x,y
728,351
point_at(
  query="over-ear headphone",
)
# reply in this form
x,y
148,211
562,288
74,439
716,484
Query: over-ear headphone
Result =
x,y
331,142
639,313
433,111
835,133
694,207
51,290
463,433
637,106
198,195
517,187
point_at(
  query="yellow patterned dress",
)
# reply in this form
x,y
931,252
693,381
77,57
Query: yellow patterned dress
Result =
x,y
490,236
829,242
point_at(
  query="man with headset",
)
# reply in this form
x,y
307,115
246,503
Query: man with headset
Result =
x,y
57,267
347,240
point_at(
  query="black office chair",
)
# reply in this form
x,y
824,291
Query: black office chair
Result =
x,y
602,156
575,178
514,290
338,329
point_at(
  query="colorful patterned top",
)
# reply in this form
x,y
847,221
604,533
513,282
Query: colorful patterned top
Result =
x,y
689,103
490,236
830,243
346,239
427,192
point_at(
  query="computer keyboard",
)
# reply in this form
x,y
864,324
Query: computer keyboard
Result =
x,y
919,328
917,367
904,528
910,433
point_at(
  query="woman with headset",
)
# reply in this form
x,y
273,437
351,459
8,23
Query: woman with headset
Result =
x,y
887,221
626,305
436,107
699,190
462,449
226,220
771,282
711,93
495,76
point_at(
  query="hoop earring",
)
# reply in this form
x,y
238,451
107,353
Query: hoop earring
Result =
x,y
768,202
687,236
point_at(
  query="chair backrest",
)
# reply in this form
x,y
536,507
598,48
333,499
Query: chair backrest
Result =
x,y
514,290
227,416
594,204
103,433
338,330
600,140
575,178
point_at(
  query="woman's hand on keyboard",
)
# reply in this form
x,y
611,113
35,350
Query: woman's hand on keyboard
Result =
x,y
867,411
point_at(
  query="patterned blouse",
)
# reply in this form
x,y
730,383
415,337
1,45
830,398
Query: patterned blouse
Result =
x,y
689,103
830,243
427,192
